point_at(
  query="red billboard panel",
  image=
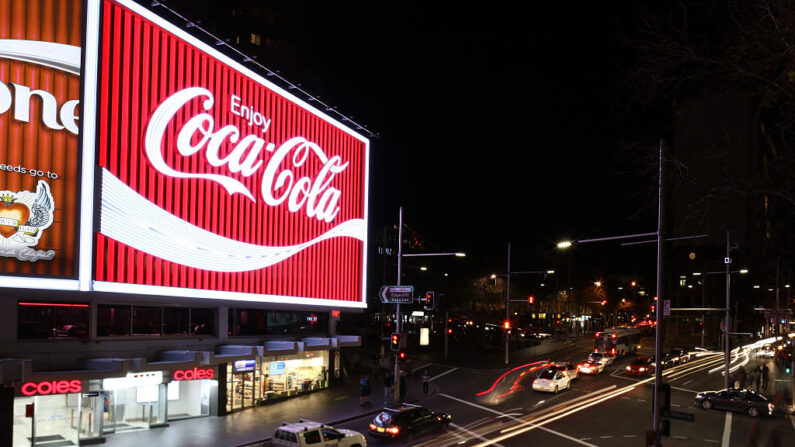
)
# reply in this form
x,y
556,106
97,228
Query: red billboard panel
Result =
x,y
217,183
40,66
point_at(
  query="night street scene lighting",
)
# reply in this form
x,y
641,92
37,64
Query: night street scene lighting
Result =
x,y
366,222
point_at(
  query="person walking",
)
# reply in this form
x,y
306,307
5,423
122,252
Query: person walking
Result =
x,y
403,389
364,390
765,377
425,379
388,387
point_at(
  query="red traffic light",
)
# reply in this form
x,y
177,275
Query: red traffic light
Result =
x,y
604,302
403,355
506,325
531,299
449,331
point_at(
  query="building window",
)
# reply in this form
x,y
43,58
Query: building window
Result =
x,y
247,322
37,320
126,320
256,39
113,320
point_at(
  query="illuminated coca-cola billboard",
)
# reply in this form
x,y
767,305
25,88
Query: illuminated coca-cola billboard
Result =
x,y
216,183
40,67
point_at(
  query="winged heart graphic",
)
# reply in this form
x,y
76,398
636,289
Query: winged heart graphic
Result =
x,y
24,216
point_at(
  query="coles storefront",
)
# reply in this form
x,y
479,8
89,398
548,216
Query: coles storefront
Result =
x,y
178,234
86,409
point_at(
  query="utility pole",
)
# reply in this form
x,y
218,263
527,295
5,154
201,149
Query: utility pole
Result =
x,y
396,378
508,305
726,327
657,308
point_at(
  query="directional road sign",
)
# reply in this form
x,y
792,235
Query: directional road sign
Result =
x,y
396,294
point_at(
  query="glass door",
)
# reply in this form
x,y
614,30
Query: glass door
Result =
x,y
90,416
108,412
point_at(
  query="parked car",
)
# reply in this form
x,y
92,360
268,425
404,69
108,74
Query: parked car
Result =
x,y
590,367
743,401
680,355
565,367
552,381
641,366
405,421
308,433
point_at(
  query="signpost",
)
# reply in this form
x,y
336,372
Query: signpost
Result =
x,y
396,294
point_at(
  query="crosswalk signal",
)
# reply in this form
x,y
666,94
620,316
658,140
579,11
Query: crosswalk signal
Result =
x,y
430,301
394,343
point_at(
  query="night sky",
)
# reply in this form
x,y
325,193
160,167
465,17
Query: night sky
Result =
x,y
497,124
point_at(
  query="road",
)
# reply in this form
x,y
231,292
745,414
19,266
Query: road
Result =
x,y
497,407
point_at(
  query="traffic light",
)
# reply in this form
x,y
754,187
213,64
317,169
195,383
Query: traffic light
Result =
x,y
604,302
531,299
787,369
394,343
652,309
402,355
506,325
430,301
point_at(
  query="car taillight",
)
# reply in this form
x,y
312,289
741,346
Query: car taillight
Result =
x,y
373,427
393,430
770,408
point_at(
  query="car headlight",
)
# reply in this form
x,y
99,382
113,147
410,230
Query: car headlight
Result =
x,y
629,369
642,369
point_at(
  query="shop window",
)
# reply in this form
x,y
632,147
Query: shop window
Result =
x,y
147,320
175,320
247,321
113,319
202,321
52,320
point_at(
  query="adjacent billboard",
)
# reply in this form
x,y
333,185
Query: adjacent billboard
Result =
x,y
216,183
40,74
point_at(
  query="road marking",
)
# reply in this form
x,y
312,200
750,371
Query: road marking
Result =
x,y
341,397
675,405
641,400
420,367
630,436
508,415
442,374
585,439
625,397
685,383
473,434
727,430
680,437
711,440
494,441
605,437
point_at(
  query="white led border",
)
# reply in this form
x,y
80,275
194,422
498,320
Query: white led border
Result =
x,y
92,39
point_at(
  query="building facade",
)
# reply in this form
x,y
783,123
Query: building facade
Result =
x,y
178,235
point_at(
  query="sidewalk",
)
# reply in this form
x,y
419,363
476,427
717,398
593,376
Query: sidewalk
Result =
x,y
331,406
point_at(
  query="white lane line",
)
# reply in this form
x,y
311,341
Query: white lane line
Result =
x,y
625,397
585,439
490,442
727,430
473,434
677,405
711,440
685,383
605,437
420,367
442,374
680,437
630,436
644,400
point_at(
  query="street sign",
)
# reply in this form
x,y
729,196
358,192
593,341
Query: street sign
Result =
x,y
396,294
666,308
689,417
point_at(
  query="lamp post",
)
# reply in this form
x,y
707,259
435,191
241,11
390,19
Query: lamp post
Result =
x,y
398,325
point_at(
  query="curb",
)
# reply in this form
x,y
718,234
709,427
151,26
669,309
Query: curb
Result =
x,y
433,392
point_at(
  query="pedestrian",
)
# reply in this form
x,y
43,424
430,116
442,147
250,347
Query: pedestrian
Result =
x,y
765,372
388,387
364,390
425,379
403,389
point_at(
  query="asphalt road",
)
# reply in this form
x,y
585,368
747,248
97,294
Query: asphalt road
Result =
x,y
498,407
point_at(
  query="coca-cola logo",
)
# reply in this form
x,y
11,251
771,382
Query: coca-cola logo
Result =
x,y
315,196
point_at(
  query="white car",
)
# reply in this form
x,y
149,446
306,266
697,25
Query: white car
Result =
x,y
589,367
601,357
551,381
308,433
